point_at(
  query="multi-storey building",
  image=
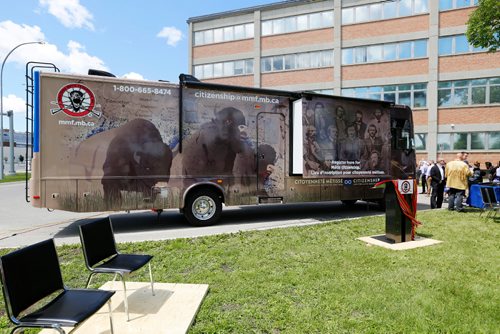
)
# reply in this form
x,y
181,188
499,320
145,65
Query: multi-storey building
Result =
x,y
413,52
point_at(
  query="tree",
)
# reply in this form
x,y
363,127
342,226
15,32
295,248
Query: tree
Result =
x,y
483,27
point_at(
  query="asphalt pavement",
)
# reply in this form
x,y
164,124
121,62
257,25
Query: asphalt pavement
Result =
x,y
21,224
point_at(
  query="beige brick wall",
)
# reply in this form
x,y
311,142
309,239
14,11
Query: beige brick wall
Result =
x,y
385,70
386,27
482,157
472,115
494,158
420,117
297,39
221,49
421,156
453,18
244,80
297,77
468,62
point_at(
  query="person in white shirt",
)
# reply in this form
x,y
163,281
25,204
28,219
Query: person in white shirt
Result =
x,y
423,170
428,177
496,176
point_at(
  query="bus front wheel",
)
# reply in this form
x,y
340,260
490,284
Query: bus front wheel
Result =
x,y
203,207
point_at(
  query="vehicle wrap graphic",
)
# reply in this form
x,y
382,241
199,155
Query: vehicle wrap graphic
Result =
x,y
115,144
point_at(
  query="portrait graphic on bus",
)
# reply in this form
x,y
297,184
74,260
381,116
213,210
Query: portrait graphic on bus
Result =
x,y
351,138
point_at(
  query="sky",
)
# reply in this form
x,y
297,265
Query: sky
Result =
x,y
145,39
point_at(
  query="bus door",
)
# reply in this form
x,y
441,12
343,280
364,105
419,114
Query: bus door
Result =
x,y
271,134
403,161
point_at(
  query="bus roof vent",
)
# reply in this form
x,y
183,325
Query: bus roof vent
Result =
x,y
101,73
187,78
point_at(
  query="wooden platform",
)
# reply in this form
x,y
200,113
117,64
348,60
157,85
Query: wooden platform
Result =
x,y
171,310
382,241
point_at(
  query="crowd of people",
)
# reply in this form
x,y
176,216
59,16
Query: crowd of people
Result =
x,y
453,179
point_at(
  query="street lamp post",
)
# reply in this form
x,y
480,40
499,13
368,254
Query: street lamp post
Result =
x,y
1,99
10,114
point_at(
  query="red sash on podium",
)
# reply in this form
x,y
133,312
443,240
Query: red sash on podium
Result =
x,y
408,211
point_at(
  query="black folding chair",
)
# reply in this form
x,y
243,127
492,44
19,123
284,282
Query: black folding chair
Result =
x,y
490,202
101,256
31,279
485,197
494,201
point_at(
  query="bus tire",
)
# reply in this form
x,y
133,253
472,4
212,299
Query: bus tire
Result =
x,y
349,202
203,207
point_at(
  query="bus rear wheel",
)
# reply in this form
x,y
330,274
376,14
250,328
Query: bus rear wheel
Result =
x,y
203,207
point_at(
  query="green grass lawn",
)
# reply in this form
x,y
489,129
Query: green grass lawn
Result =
x,y
320,279
14,178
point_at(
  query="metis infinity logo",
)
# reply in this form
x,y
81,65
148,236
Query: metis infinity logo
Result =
x,y
76,100
347,182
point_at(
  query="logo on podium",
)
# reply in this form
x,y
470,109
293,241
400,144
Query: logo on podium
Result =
x,y
405,187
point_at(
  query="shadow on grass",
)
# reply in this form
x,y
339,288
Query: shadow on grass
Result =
x,y
425,235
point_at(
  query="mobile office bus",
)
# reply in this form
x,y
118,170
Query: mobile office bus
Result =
x,y
109,144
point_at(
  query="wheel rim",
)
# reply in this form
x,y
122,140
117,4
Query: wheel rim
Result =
x,y
203,208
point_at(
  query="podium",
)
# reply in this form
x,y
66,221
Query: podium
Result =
x,y
398,226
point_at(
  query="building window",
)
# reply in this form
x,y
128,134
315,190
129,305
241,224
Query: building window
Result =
x,y
348,56
218,36
445,45
412,95
478,91
385,52
420,48
208,71
461,141
419,95
374,53
217,72
360,55
454,4
443,142
316,59
477,141
420,141
390,9
384,10
420,7
239,67
494,141
469,92
457,44
225,34
390,52
347,15
494,84
405,7
289,24
225,69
